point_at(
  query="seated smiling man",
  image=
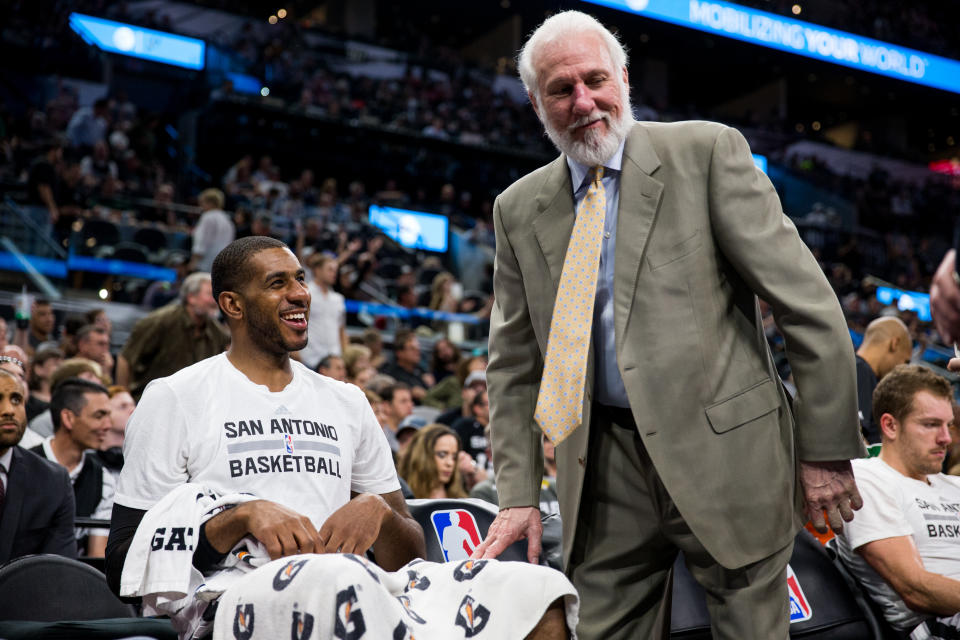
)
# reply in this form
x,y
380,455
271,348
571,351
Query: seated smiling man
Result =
x,y
294,467
904,545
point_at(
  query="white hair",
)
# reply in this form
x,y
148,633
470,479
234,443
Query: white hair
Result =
x,y
564,25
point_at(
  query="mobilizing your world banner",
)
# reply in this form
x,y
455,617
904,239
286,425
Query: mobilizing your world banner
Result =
x,y
799,37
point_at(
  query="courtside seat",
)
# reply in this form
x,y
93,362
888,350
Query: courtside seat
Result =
x,y
822,605
50,596
434,518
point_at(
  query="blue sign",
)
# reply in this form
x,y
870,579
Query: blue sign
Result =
x,y
914,301
137,42
760,162
799,37
412,229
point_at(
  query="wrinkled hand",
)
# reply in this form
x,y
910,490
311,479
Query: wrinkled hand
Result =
x,y
283,531
830,487
945,299
354,527
510,525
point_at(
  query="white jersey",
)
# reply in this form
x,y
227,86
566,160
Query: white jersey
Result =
x,y
328,313
306,447
895,505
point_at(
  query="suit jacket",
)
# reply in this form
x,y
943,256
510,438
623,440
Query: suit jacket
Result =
x,y
38,510
700,235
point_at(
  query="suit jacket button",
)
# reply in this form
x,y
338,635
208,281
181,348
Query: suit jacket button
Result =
x,y
580,460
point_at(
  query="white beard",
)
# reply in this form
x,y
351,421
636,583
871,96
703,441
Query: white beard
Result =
x,y
595,148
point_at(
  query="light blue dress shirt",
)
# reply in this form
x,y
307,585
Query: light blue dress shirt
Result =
x,y
608,385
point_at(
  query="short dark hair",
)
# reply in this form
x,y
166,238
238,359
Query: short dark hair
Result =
x,y
895,392
402,337
390,390
231,268
87,329
71,394
327,359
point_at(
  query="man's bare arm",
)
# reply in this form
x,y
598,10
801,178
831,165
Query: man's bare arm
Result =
x,y
898,562
282,531
379,521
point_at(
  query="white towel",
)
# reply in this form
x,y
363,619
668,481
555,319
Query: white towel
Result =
x,y
321,597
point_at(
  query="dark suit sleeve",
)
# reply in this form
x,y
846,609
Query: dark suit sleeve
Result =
x,y
764,247
60,537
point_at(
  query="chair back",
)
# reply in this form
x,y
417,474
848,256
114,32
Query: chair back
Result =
x,y
51,588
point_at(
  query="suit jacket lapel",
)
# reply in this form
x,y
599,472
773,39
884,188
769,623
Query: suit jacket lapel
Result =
x,y
554,225
13,503
640,196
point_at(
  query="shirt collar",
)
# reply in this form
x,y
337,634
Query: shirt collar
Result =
x,y
6,459
578,172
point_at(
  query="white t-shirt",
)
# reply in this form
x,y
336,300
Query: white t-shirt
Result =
x,y
108,490
213,232
895,505
327,314
306,447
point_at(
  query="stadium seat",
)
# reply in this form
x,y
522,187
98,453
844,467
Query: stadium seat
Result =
x,y
822,605
96,234
49,596
433,516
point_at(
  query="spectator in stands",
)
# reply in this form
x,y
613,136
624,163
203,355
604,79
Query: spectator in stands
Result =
x,y
472,429
454,393
43,322
405,432
406,364
332,367
356,357
886,344
398,404
122,406
4,332
373,341
172,337
444,359
162,292
97,167
42,190
442,296
42,425
46,360
81,420
214,230
429,464
364,376
36,503
68,336
93,343
327,328
98,317
904,545
89,125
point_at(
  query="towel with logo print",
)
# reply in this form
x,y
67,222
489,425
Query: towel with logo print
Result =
x,y
347,597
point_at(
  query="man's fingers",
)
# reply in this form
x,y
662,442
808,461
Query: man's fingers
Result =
x,y
533,550
856,502
845,511
836,522
817,520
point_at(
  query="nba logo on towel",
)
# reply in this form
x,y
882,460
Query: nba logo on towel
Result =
x,y
288,443
457,533
800,609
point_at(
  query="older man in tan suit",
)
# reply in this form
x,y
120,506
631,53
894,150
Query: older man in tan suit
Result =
x,y
674,431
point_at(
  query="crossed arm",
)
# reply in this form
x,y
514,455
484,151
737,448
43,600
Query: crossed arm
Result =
x,y
898,562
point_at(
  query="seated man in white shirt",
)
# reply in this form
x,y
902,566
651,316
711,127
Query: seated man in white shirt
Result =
x,y
904,546
310,450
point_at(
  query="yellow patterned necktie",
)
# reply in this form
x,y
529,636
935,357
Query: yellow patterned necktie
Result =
x,y
560,404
